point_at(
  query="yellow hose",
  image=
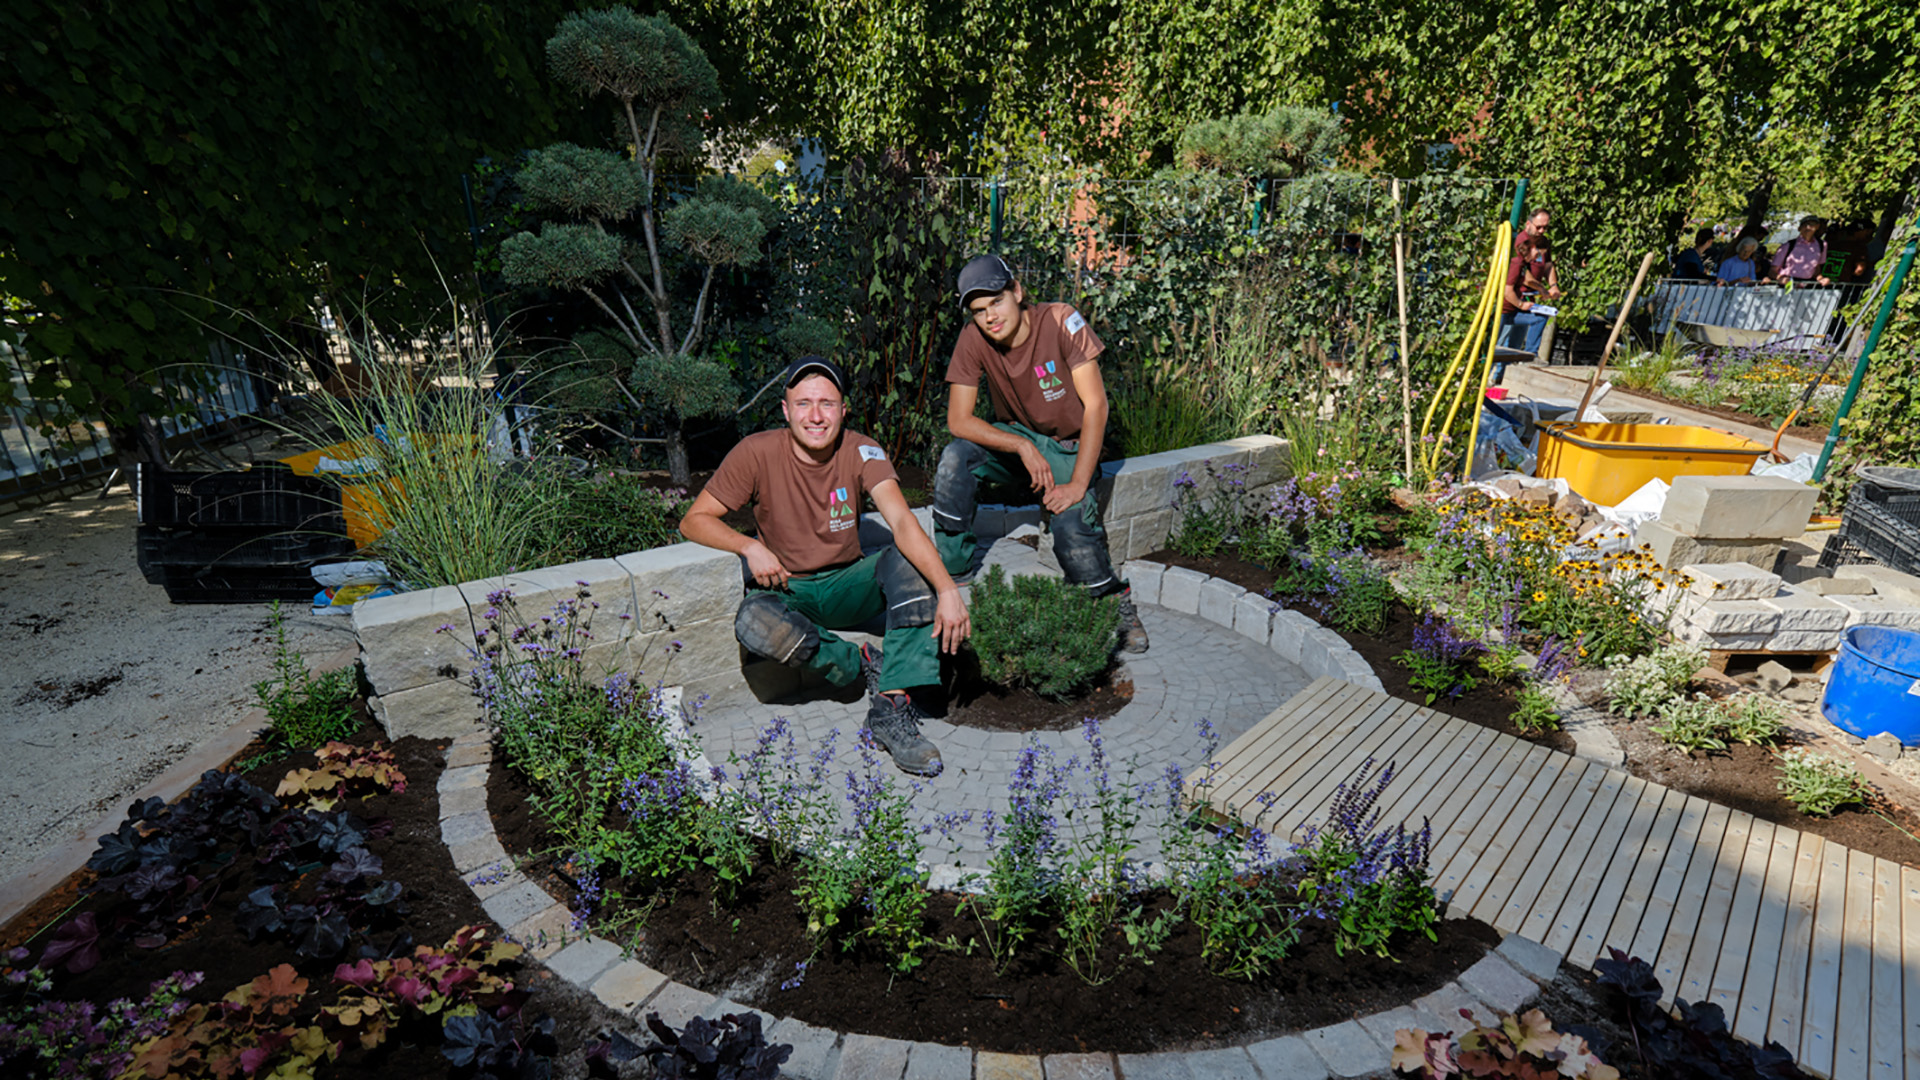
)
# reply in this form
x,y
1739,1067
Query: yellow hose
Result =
x,y
1485,321
1503,250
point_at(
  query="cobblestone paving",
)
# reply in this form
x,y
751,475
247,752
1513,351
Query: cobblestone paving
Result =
x,y
1195,669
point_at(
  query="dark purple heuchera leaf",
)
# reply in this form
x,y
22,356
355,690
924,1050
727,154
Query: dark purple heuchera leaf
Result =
x,y
1632,976
118,851
260,912
382,893
325,936
76,943
354,863
156,880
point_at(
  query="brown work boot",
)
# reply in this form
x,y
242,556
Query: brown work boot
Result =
x,y
895,722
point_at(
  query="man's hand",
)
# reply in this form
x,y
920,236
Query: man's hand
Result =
x,y
765,567
1063,497
951,623
1553,293
1037,467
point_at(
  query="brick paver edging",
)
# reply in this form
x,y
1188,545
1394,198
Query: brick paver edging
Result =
x,y
1500,982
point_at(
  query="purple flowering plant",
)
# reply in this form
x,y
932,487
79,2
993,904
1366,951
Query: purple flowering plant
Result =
x,y
1369,881
1442,660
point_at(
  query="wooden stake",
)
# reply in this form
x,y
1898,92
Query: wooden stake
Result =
x,y
1618,324
1406,360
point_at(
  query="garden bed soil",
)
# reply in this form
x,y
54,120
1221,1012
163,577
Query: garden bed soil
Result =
x,y
745,951
1743,777
966,698
407,840
1488,704
1814,432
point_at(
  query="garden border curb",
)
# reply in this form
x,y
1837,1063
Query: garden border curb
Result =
x,y
1499,982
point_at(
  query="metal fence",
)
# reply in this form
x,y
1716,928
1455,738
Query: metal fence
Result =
x,y
1801,317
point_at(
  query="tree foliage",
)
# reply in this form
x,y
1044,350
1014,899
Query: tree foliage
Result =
x,y
168,163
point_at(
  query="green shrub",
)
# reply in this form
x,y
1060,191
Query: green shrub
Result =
x,y
1692,725
1536,710
1640,687
1755,720
601,517
1819,785
1041,632
305,710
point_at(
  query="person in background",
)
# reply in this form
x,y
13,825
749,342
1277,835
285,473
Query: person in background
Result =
x,y
1799,260
1520,325
1739,268
1762,262
1691,264
1536,232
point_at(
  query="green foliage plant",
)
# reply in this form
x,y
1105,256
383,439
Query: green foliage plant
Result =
x,y
1342,587
1755,720
1370,882
1231,889
1692,725
1817,784
1288,141
609,514
663,87
1041,632
1639,687
1211,512
304,710
1534,709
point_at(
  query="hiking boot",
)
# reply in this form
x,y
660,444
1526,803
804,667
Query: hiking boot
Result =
x,y
895,722
870,660
1133,633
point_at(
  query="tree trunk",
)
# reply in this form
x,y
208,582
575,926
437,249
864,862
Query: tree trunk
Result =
x,y
1890,217
679,470
1758,200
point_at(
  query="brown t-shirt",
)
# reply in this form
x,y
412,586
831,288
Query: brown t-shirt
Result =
x,y
809,514
1032,383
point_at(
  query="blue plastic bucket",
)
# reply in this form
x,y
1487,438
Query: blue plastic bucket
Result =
x,y
1875,686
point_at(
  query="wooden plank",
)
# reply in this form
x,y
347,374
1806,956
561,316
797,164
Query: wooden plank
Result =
x,y
1432,767
1669,951
1277,770
1850,1030
1477,760
1524,843
1594,796
1910,964
1579,892
1695,954
1737,942
1281,729
1821,1004
1584,936
1637,877
1462,812
1673,870
1315,788
1748,1017
1887,1024
1541,767
1558,877
1796,941
1704,952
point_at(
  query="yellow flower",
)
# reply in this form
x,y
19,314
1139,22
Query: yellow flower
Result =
x,y
1540,597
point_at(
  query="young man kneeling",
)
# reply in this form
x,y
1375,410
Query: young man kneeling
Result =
x,y
805,485
1040,363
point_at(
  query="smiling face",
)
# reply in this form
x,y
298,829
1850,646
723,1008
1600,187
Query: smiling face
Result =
x,y
1537,224
1001,316
814,409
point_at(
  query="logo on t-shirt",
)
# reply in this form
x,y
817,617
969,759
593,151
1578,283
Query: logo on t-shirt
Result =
x,y
840,513
1050,382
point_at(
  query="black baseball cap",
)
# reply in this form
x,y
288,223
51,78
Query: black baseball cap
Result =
x,y
814,365
984,275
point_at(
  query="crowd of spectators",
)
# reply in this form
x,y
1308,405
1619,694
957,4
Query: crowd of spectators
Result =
x,y
1804,259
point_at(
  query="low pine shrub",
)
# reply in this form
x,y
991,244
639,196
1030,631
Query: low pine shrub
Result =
x,y
1042,633
305,710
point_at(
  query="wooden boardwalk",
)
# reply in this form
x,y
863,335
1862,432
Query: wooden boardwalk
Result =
x,y
1807,943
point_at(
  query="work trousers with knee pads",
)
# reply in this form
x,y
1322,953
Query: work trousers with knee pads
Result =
x,y
795,625
1079,540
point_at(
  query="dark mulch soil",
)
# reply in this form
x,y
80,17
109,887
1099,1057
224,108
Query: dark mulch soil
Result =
x,y
747,949
1743,777
407,840
968,699
1489,704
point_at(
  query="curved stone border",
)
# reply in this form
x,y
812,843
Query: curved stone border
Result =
x,y
1500,982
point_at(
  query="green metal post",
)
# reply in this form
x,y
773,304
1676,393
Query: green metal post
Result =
x,y
1519,204
1866,353
993,216
1259,202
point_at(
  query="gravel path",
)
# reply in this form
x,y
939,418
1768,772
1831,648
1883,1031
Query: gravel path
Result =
x,y
104,683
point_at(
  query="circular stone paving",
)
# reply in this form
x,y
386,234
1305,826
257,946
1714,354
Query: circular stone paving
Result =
x,y
1196,669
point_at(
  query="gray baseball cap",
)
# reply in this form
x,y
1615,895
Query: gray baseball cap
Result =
x,y
984,275
814,365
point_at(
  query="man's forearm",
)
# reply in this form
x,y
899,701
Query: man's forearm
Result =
x,y
975,430
1093,435
710,531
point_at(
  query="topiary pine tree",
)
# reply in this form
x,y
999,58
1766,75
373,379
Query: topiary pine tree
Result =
x,y
663,86
1289,141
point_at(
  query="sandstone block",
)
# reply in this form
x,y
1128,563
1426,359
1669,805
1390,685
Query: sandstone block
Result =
x,y
686,654
1290,630
438,710
1732,581
1144,577
1148,532
1804,641
400,646
1878,610
1137,485
595,581
1738,507
1886,581
1802,610
1268,458
680,584
1217,598
1253,616
1180,589
1672,548
1838,586
1729,616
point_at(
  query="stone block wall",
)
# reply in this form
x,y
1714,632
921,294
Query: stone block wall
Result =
x,y
666,614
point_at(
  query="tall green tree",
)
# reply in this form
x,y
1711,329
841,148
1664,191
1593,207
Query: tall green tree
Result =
x,y
169,163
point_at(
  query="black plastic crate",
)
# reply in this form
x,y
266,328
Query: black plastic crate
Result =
x,y
273,496
237,548
187,585
1869,528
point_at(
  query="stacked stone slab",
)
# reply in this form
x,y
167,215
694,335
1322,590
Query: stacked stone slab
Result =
x,y
1741,608
666,614
1711,520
